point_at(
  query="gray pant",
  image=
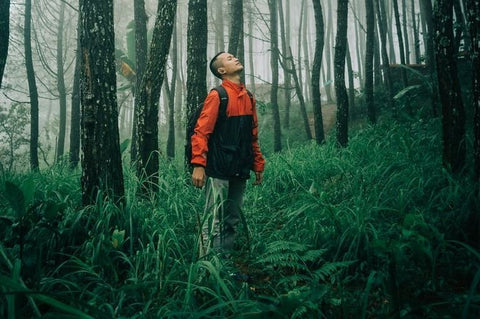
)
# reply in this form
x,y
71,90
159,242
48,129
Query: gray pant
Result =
x,y
224,200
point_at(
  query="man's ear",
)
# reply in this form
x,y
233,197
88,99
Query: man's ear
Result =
x,y
221,71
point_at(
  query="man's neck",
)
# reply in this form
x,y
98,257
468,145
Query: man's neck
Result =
x,y
235,78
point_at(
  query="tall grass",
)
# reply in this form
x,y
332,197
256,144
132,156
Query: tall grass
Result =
x,y
363,231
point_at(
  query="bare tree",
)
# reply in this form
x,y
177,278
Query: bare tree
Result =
x,y
32,86
369,52
75,110
317,63
101,162
4,34
62,92
277,133
340,88
171,95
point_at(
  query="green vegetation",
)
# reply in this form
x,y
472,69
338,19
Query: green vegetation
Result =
x,y
376,230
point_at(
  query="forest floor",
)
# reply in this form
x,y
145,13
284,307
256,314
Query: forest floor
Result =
x,y
329,115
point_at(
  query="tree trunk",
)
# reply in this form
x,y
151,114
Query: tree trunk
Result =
x,y
141,48
405,31
4,35
196,56
250,52
148,96
101,162
369,98
286,75
317,64
473,11
32,86
386,64
453,114
351,88
460,28
277,133
219,26
340,88
62,94
415,28
76,99
299,44
171,97
306,56
328,52
426,11
400,42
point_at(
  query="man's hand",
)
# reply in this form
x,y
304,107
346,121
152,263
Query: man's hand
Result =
x,y
198,176
258,178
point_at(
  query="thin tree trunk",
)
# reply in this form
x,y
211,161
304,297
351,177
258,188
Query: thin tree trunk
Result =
x,y
61,84
317,64
405,31
236,28
416,39
426,11
351,88
286,75
141,47
196,56
277,133
32,86
400,42
369,97
171,97
473,12
340,88
453,114
219,26
386,64
299,44
148,96
102,165
250,52
306,55
75,113
328,52
4,35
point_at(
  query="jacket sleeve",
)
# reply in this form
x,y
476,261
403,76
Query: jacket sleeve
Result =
x,y
258,160
204,128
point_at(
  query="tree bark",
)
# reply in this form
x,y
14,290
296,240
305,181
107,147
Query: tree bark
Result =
x,y
369,97
473,12
386,63
171,97
148,96
317,64
277,133
4,35
141,48
75,112
426,12
101,161
340,88
400,42
416,39
286,75
62,94
453,114
196,56
32,86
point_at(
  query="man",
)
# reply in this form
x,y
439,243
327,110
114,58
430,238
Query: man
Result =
x,y
225,149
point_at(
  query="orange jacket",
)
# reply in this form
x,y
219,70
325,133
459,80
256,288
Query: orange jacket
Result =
x,y
239,103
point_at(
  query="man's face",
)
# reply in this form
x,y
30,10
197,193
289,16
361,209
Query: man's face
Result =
x,y
230,64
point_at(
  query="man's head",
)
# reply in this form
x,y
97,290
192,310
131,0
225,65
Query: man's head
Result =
x,y
224,63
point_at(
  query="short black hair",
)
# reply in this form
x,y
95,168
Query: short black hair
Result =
x,y
213,66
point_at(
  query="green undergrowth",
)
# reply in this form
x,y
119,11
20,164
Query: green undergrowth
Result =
x,y
375,230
